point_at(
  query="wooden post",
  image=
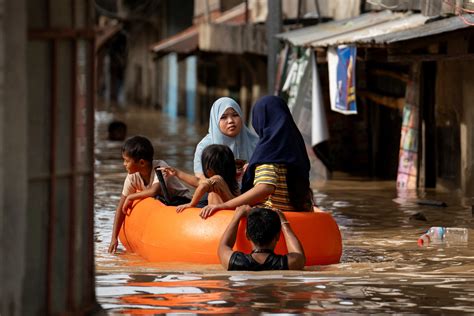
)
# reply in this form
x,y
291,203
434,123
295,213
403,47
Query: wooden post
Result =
x,y
428,123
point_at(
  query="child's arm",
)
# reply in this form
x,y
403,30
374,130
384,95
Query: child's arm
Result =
x,y
118,220
202,188
152,191
252,197
186,177
227,242
296,256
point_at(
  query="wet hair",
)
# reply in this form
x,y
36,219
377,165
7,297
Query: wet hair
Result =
x,y
138,147
263,226
299,190
117,130
220,159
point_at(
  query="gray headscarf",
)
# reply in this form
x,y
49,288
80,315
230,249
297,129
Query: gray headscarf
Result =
x,y
241,145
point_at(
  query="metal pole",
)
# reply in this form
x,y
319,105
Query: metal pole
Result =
x,y
273,27
246,11
207,12
316,3
298,14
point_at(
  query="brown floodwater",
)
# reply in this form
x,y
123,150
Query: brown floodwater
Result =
x,y
382,268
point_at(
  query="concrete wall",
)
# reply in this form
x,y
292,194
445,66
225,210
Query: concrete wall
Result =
x,y
200,6
139,73
143,75
143,27
167,68
336,9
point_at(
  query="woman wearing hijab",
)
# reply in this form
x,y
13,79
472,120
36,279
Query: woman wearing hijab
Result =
x,y
226,128
278,173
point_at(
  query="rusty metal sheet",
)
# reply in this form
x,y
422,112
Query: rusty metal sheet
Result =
x,y
326,31
428,29
374,29
366,35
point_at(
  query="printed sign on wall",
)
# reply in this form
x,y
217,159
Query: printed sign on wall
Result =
x,y
341,64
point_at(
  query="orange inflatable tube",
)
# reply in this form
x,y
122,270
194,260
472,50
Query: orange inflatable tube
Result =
x,y
159,234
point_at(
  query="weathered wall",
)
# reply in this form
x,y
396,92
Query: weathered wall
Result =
x,y
165,67
336,9
147,24
233,39
455,124
449,108
46,173
139,73
200,6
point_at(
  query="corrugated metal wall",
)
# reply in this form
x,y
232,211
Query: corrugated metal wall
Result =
x,y
60,63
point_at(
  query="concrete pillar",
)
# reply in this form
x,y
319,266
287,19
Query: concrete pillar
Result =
x,y
191,87
181,99
13,155
171,107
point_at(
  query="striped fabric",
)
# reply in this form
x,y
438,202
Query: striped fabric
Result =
x,y
274,174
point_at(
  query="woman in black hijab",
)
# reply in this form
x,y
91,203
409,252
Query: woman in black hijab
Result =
x,y
278,172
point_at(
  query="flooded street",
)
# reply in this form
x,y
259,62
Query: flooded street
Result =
x,y
382,269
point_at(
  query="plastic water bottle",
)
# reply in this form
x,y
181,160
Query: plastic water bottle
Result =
x,y
449,235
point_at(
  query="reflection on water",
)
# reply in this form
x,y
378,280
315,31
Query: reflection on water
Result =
x,y
382,268
361,291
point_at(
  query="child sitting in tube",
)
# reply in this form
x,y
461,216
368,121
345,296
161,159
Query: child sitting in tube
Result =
x,y
141,181
263,231
219,167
